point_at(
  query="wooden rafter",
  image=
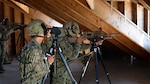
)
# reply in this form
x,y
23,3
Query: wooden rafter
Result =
x,y
64,10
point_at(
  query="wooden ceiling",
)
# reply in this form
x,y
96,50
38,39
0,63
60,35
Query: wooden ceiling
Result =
x,y
71,12
79,11
148,2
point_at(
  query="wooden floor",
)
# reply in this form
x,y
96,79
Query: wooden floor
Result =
x,y
121,72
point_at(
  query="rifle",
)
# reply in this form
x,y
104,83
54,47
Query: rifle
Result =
x,y
17,26
6,25
97,35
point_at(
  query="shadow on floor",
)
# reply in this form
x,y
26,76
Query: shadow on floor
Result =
x,y
121,72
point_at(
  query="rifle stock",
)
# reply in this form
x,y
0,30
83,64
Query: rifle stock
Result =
x,y
98,35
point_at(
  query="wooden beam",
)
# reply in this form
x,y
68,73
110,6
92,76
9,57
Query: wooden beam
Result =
x,y
145,5
50,10
68,7
91,3
82,11
2,11
147,1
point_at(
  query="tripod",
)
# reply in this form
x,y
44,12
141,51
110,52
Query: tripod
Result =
x,y
55,46
96,49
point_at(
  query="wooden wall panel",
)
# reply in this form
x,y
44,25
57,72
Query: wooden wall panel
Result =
x,y
6,11
134,13
121,7
1,11
26,21
140,17
146,20
128,10
12,36
17,19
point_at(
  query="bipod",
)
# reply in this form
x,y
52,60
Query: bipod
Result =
x,y
97,52
59,50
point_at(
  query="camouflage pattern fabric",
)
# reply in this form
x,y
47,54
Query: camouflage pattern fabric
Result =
x,y
71,28
70,52
62,79
45,46
4,36
35,27
33,65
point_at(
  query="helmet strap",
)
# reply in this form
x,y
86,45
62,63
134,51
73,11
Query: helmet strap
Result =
x,y
44,28
70,33
39,36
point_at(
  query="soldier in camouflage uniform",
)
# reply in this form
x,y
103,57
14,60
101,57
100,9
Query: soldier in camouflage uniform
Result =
x,y
6,29
70,45
34,65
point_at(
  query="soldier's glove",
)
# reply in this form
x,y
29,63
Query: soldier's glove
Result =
x,y
19,27
50,52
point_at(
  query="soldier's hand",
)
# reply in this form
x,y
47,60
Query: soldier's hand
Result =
x,y
80,39
86,41
99,42
51,59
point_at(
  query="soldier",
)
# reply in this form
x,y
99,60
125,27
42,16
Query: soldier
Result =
x,y
6,29
70,45
34,65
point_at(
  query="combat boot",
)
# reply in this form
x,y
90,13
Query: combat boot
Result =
x,y
6,61
1,69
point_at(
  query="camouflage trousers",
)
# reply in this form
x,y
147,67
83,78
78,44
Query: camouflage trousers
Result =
x,y
62,79
34,80
4,51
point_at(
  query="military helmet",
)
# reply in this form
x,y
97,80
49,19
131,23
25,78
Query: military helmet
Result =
x,y
71,28
35,27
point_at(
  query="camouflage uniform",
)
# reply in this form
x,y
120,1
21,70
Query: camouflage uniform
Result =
x,y
5,31
70,52
33,66
33,63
